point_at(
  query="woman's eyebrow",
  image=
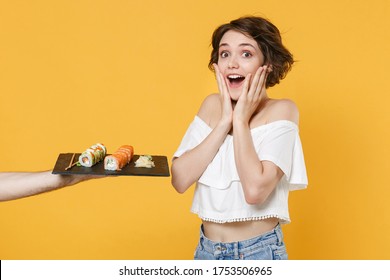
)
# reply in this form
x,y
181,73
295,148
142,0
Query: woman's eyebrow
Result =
x,y
224,45
247,45
240,45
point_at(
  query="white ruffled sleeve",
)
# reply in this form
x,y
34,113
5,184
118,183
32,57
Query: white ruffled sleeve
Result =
x,y
195,134
282,146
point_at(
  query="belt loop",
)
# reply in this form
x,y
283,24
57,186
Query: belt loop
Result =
x,y
201,238
279,233
236,252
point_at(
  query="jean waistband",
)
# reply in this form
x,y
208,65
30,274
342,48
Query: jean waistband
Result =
x,y
275,236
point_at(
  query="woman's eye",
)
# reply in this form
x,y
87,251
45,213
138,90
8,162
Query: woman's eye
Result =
x,y
224,54
246,54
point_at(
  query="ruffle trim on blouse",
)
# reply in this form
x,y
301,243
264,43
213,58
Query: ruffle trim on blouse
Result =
x,y
246,219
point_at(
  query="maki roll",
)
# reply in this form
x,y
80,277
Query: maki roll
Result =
x,y
93,155
119,159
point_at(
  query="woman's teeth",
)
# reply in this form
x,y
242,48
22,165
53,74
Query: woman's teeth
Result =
x,y
236,78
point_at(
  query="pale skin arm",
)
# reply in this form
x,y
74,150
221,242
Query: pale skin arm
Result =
x,y
184,171
14,185
258,178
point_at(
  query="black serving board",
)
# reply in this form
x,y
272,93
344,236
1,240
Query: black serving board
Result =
x,y
161,167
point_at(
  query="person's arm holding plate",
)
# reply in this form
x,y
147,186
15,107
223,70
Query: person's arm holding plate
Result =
x,y
14,185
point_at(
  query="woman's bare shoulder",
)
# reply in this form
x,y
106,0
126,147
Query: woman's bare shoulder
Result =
x,y
210,108
283,109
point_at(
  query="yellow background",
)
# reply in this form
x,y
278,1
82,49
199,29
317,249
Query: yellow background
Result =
x,y
73,73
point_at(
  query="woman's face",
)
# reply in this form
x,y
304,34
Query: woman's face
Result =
x,y
238,56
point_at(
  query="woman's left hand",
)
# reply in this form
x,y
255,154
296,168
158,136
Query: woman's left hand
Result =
x,y
251,95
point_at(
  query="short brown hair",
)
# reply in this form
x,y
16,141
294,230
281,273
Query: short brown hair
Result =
x,y
268,39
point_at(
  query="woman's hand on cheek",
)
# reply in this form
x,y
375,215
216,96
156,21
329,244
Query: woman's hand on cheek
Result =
x,y
251,95
227,108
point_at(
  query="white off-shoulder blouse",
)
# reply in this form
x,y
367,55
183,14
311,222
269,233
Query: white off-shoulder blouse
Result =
x,y
219,196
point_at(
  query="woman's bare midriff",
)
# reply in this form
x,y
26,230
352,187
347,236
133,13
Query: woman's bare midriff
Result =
x,y
237,231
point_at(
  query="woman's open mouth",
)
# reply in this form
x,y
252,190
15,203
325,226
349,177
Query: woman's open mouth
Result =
x,y
235,80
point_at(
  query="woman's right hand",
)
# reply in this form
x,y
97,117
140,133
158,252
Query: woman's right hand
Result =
x,y
227,107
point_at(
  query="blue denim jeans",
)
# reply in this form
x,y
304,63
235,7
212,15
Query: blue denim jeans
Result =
x,y
268,246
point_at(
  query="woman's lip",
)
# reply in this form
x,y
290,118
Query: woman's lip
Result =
x,y
235,84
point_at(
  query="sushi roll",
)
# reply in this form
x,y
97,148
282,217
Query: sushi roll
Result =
x,y
93,155
119,159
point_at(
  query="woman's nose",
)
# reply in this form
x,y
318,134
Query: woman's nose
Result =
x,y
233,62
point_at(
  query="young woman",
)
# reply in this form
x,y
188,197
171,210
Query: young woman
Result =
x,y
243,148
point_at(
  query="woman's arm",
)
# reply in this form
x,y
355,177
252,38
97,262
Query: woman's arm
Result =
x,y
187,168
258,178
14,185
